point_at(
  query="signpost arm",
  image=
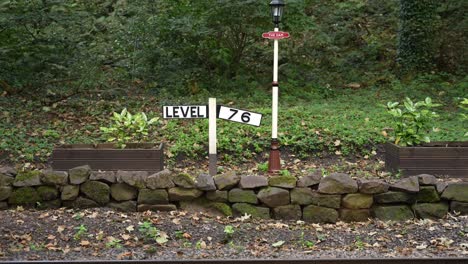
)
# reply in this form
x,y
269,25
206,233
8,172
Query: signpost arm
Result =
x,y
274,164
212,153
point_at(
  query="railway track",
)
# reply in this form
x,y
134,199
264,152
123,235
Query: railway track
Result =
x,y
265,261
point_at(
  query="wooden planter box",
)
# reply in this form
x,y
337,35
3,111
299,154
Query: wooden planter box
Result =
x,y
106,157
436,158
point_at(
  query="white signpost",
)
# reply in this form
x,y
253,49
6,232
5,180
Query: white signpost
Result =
x,y
240,116
185,111
212,111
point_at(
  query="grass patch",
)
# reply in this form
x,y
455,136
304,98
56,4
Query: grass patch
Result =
x,y
349,122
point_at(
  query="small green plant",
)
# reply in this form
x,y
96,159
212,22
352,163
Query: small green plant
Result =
x,y
359,243
150,250
285,173
305,243
126,127
412,121
36,247
198,245
464,115
321,237
263,166
114,243
77,216
464,106
179,234
404,231
398,174
151,232
80,231
187,244
228,233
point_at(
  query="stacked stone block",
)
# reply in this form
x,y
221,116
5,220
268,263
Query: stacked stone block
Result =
x,y
313,198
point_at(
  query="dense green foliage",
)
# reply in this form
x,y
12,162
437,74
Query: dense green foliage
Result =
x,y
57,49
417,26
66,66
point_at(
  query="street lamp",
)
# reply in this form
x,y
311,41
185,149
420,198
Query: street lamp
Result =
x,y
277,7
274,163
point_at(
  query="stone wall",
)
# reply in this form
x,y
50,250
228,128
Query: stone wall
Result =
x,y
312,198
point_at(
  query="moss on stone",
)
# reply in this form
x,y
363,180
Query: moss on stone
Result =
x,y
97,191
427,194
317,214
393,212
242,196
28,178
184,180
54,204
26,196
148,196
283,181
254,211
223,208
431,210
47,193
27,175
6,180
70,192
183,194
5,192
55,177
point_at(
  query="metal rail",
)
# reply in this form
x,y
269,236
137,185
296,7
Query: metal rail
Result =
x,y
263,261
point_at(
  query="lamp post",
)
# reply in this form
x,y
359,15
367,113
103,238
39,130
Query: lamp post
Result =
x,y
274,163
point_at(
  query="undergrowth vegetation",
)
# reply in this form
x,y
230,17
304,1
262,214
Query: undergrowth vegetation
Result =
x,y
347,122
66,66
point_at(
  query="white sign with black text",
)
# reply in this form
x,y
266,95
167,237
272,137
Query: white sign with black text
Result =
x,y
241,116
185,111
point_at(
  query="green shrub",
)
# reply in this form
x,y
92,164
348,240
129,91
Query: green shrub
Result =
x,y
412,121
128,128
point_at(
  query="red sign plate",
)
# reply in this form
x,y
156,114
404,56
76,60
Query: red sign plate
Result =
x,y
275,35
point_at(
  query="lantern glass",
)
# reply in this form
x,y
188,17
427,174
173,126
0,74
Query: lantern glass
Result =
x,y
277,7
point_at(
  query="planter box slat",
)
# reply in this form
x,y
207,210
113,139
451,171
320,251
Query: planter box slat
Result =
x,y
437,158
109,165
104,154
431,162
102,157
434,152
458,173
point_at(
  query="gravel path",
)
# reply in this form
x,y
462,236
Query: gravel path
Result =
x,y
108,235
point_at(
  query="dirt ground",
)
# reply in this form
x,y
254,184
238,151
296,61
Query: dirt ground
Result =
x,y
108,235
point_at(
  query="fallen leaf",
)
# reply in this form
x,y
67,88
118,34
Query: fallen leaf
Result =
x,y
422,246
278,244
93,215
84,243
162,238
202,244
44,215
60,229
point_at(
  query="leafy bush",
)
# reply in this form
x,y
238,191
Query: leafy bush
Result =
x,y
412,121
128,128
